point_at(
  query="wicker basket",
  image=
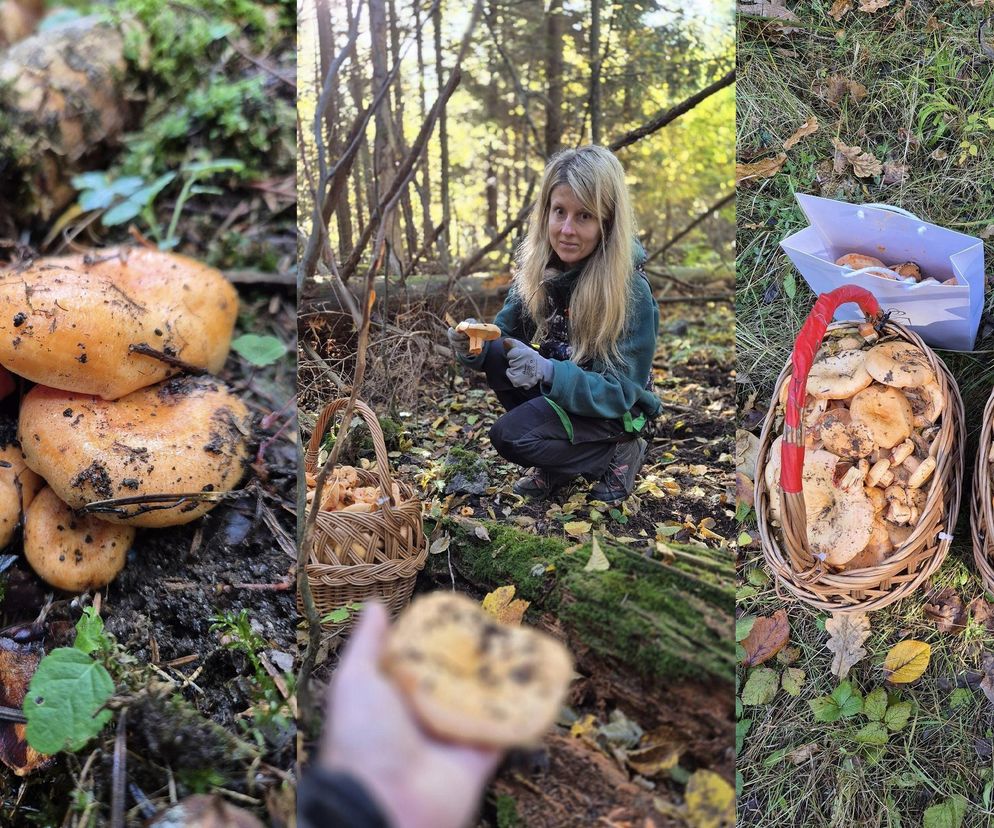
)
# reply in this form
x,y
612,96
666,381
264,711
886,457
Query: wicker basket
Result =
x,y
787,552
358,556
982,507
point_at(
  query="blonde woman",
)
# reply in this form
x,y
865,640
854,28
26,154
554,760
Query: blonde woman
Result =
x,y
577,402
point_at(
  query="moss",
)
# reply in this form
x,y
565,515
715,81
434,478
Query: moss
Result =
x,y
507,812
656,620
462,461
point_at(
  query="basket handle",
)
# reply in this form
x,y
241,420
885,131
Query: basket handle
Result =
x,y
372,423
805,348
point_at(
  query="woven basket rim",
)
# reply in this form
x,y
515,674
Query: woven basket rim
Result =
x,y
874,588
982,506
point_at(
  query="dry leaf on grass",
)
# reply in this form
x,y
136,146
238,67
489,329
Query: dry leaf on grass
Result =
x,y
835,87
767,8
809,127
872,5
987,682
894,172
946,610
938,155
863,164
500,605
759,169
907,661
848,631
802,754
768,636
840,8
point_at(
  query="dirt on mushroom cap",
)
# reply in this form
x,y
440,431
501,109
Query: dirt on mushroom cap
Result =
x,y
110,327
185,435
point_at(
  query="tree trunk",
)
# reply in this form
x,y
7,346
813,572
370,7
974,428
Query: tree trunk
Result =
x,y
555,24
425,188
595,71
410,231
443,143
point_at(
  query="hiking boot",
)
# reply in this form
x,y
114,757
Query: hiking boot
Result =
x,y
536,482
619,479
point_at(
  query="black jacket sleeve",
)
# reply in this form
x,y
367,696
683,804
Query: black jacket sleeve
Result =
x,y
327,799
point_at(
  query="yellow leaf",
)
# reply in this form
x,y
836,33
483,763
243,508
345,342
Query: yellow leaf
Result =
x,y
586,728
577,527
907,661
598,560
500,605
710,801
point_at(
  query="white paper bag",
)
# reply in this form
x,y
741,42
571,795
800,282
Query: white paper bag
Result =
x,y
945,316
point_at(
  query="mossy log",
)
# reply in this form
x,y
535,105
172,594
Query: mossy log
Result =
x,y
62,103
662,621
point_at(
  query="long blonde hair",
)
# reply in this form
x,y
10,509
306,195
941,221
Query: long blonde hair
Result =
x,y
598,308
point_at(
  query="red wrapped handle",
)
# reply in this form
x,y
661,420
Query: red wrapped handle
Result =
x,y
805,348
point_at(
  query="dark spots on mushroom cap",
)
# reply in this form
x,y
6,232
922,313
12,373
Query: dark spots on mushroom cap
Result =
x,y
81,359
67,412
129,483
15,341
88,539
19,318
158,332
95,475
8,432
523,673
78,554
6,464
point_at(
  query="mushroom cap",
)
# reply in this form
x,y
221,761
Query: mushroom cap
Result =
x,y
876,550
899,364
886,412
72,325
927,403
838,377
69,551
839,521
18,487
843,435
857,261
185,435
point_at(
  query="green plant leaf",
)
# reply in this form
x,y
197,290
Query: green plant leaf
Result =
x,y
790,284
960,697
948,814
761,686
897,716
741,729
875,705
792,681
850,702
825,708
743,626
120,213
872,734
90,631
63,702
259,350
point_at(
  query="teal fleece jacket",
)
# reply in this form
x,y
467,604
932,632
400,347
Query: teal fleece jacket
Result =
x,y
596,391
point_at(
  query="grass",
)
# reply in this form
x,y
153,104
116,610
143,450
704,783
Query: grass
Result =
x,y
929,95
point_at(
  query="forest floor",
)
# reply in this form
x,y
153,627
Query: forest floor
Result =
x,y
912,87
641,719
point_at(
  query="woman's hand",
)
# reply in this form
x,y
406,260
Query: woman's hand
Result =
x,y
459,341
526,367
418,781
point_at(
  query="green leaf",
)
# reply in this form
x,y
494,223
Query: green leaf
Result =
x,y
738,707
744,592
960,697
761,686
948,814
790,284
825,708
120,213
897,716
875,705
775,757
89,180
472,419
758,577
739,782
741,729
202,169
792,681
259,350
90,631
850,702
743,626
63,702
872,734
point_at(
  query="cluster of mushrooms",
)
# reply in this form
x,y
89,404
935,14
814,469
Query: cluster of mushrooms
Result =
x,y
126,420
342,492
900,272
870,421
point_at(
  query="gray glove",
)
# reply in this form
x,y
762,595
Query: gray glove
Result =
x,y
526,367
459,342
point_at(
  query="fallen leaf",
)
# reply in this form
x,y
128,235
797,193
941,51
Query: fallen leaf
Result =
x,y
761,686
948,814
710,800
847,633
809,127
894,173
835,87
792,680
863,163
839,9
576,528
907,661
598,560
987,682
503,606
803,753
938,155
871,6
759,169
982,612
768,636
658,752
946,610
440,545
746,452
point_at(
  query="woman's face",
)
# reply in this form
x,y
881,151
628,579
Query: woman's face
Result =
x,y
573,231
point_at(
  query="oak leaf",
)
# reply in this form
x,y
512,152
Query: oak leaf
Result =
x,y
847,633
863,163
947,611
809,127
759,169
871,6
840,8
768,636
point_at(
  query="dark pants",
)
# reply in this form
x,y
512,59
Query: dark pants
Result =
x,y
531,433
